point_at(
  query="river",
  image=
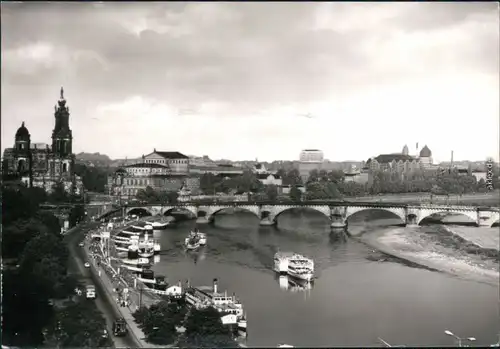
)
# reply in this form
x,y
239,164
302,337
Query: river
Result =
x,y
359,294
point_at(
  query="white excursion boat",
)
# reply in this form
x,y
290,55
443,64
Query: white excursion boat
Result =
x,y
230,307
156,247
294,264
132,231
291,284
302,272
146,247
157,225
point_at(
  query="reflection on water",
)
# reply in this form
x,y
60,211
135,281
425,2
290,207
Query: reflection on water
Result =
x,y
156,259
358,296
288,283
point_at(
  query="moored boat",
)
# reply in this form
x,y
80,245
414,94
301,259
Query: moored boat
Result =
x,y
146,247
157,225
230,307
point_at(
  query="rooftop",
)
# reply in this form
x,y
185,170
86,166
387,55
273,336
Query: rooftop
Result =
x,y
170,154
146,165
386,158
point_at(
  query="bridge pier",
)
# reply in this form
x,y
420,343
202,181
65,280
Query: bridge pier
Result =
x,y
202,220
266,222
338,222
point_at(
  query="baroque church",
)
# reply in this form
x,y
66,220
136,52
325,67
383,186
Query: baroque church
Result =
x,y
403,162
41,165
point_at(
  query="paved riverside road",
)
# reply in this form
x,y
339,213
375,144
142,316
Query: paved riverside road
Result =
x,y
110,314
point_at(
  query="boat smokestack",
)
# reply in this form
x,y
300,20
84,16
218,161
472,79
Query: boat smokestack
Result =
x,y
215,285
234,297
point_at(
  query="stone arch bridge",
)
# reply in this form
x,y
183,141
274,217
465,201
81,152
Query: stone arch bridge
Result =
x,y
337,212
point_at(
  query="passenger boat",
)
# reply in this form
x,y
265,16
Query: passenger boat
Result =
x,y
197,235
294,265
133,252
156,247
132,230
301,272
242,326
192,242
291,284
230,307
157,225
146,247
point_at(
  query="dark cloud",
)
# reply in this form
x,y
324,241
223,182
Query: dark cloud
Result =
x,y
268,52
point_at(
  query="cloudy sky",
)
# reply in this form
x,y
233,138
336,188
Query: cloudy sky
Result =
x,y
256,80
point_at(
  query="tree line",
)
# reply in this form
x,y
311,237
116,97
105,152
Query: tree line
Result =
x,y
203,327
39,303
325,185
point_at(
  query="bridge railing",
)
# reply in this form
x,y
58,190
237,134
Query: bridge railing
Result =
x,y
311,203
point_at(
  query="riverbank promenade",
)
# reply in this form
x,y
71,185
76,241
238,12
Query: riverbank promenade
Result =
x,y
114,285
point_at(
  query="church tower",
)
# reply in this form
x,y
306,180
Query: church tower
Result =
x,y
62,137
405,150
22,154
62,141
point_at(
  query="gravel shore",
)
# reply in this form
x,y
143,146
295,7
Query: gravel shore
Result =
x,y
436,247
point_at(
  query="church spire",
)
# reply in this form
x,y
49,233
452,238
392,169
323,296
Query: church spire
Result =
x,y
62,93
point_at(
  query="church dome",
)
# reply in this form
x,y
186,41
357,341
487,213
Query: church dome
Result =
x,y
425,152
22,133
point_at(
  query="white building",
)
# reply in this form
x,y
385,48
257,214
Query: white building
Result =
x,y
310,159
267,177
311,155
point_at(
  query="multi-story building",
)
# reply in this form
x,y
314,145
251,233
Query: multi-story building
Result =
x,y
39,165
267,177
310,159
177,163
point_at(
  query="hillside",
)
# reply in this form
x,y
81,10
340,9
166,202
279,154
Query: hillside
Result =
x,y
95,159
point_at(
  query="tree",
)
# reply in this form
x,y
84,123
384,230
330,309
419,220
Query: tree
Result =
x,y
78,324
22,298
208,183
272,192
58,194
204,328
295,193
148,195
76,215
172,197
292,177
313,176
160,320
94,179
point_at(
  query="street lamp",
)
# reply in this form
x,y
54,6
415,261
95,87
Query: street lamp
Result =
x,y
459,339
384,343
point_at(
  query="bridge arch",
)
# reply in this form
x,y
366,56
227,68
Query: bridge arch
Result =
x,y
110,213
219,209
470,214
399,212
140,211
189,209
324,210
